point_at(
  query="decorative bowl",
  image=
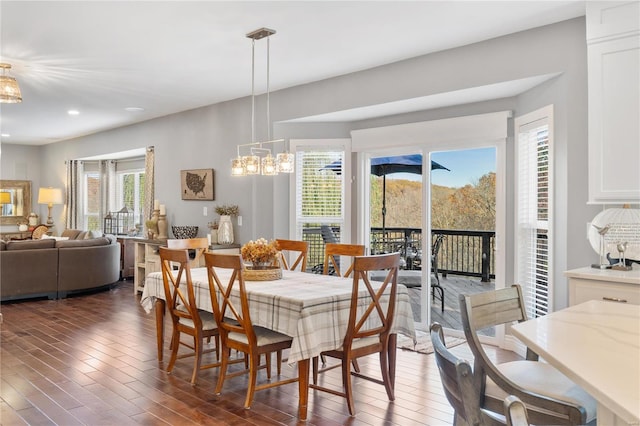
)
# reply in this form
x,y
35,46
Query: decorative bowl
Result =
x,y
183,232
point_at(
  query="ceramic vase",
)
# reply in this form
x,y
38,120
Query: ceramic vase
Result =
x,y
225,230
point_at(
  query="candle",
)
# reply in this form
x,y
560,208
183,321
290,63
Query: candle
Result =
x,y
209,239
163,210
156,204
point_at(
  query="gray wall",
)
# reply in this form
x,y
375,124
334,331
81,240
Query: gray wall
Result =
x,y
207,137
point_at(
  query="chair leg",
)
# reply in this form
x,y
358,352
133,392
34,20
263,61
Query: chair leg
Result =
x,y
279,362
267,360
386,378
348,390
315,370
197,344
253,372
226,353
175,339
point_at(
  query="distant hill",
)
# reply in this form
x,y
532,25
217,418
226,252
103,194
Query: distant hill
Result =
x,y
469,207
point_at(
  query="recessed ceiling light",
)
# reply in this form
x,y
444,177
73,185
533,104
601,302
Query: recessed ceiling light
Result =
x,y
73,112
134,109
5,135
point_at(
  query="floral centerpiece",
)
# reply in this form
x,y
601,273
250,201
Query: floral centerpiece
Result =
x,y
261,253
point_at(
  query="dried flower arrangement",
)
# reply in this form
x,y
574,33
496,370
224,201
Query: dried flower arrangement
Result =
x,y
228,210
260,251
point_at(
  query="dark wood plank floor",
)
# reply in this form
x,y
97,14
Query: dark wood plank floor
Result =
x,y
91,360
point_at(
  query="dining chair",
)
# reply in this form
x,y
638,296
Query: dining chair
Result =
x,y
457,381
369,326
301,248
197,245
236,329
185,316
550,397
332,253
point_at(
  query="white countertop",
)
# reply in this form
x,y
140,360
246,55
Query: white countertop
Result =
x,y
597,345
588,273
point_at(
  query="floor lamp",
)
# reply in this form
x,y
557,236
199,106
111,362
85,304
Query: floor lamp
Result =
x,y
50,196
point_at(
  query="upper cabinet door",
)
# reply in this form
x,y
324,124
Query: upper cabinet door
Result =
x,y
613,35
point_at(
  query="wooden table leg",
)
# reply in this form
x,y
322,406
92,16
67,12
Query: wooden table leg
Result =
x,y
393,340
160,326
303,388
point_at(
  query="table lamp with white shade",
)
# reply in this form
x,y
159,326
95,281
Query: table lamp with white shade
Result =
x,y
50,196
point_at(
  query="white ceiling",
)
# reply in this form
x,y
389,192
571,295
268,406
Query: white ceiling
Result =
x,y
170,56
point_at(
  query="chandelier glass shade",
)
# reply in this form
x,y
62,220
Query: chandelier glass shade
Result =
x,y
9,89
261,160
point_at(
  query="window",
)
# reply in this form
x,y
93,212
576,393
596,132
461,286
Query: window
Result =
x,y
534,209
91,205
130,192
109,186
321,195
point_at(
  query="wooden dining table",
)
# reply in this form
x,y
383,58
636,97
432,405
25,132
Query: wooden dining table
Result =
x,y
312,309
597,345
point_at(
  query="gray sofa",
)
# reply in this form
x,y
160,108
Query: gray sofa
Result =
x,y
55,269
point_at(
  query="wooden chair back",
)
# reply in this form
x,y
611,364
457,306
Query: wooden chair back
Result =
x,y
232,317
178,286
199,245
293,247
505,306
375,319
332,253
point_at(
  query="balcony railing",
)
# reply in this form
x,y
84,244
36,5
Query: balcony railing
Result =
x,y
468,253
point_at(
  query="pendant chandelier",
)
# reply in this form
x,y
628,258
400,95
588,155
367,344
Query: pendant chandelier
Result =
x,y
260,159
9,89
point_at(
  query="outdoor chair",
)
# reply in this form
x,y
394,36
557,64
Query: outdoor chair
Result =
x,y
368,328
436,287
550,397
236,329
185,316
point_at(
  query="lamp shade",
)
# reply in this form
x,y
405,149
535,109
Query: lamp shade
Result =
x,y
5,197
9,89
50,196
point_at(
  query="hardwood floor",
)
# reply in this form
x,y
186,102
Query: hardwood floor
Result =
x,y
91,359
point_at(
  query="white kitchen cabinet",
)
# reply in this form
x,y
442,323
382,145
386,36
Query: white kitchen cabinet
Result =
x,y
604,284
613,48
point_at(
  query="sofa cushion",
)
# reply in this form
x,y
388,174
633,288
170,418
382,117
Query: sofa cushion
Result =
x,y
71,233
30,244
94,234
83,243
3,245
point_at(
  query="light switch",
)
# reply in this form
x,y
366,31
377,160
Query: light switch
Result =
x,y
239,220
204,211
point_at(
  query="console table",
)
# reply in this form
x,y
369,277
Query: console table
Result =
x,y
147,258
604,284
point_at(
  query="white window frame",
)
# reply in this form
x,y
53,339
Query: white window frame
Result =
x,y
343,145
119,201
523,271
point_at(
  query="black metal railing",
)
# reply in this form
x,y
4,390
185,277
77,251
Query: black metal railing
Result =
x,y
463,252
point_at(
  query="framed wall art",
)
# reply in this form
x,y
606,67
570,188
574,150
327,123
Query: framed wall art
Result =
x,y
197,184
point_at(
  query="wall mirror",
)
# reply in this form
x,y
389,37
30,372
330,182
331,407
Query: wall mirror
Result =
x,y
15,201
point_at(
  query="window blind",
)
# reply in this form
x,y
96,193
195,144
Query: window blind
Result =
x,y
320,189
534,215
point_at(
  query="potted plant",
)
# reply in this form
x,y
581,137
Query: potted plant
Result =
x,y
225,228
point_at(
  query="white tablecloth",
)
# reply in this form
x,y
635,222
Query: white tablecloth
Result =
x,y
311,308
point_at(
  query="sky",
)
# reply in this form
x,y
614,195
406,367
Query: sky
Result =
x,y
466,167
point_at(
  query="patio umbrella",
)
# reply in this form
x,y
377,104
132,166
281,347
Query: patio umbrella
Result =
x,y
383,166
